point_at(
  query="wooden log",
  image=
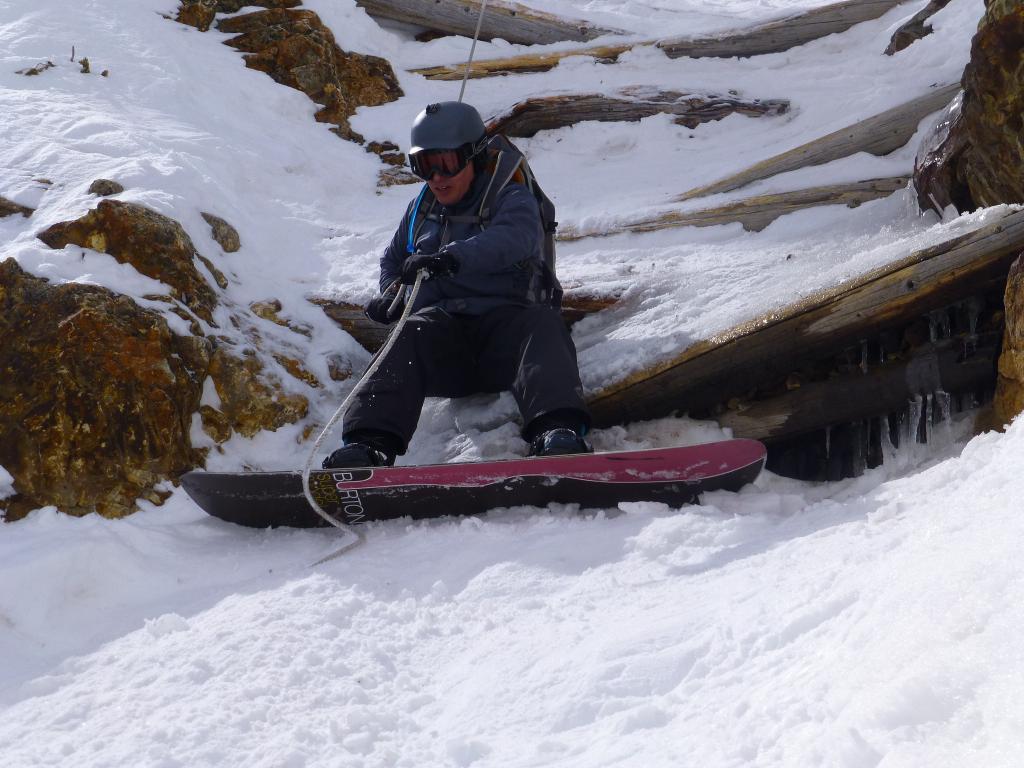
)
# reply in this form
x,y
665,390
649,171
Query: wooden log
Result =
x,y
528,117
371,336
505,20
915,28
767,348
754,213
883,388
764,38
782,34
532,62
877,135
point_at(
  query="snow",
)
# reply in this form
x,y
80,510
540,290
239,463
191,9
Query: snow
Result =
x,y
6,484
868,622
785,625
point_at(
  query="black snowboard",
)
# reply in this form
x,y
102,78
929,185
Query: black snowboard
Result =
x,y
674,476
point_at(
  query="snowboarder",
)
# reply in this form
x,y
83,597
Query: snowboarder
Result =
x,y
485,318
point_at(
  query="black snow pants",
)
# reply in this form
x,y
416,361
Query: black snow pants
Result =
x,y
527,350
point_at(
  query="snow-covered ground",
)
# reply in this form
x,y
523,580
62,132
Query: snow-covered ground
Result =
x,y
863,623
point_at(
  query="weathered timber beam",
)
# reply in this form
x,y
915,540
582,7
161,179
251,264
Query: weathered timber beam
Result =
x,y
915,28
371,336
884,388
508,21
772,37
877,135
531,62
754,213
782,34
768,347
528,117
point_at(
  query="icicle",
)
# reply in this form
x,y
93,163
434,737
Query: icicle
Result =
x,y
863,355
859,448
974,307
944,400
929,413
914,419
885,434
896,438
828,442
939,325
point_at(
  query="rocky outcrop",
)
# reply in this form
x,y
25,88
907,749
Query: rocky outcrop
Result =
x,y
981,160
96,396
993,112
201,13
105,188
271,309
224,234
977,159
10,208
250,401
938,164
1009,399
154,244
296,49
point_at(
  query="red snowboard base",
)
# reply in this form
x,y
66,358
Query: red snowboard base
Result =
x,y
675,476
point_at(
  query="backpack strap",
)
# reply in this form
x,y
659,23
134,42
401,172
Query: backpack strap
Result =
x,y
422,212
504,172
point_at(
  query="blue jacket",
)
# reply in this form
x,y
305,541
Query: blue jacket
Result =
x,y
499,264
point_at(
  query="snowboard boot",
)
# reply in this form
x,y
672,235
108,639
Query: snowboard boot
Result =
x,y
364,449
357,455
560,441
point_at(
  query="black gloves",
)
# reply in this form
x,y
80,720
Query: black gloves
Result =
x,y
436,264
377,309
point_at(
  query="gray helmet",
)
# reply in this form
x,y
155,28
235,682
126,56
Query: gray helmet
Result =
x,y
448,125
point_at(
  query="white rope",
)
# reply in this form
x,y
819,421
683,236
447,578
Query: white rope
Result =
x,y
356,537
472,49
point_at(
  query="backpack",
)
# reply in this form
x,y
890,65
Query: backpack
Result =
x,y
506,164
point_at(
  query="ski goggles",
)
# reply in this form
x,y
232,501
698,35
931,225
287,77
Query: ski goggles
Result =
x,y
445,162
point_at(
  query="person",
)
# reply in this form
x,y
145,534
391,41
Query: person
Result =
x,y
482,320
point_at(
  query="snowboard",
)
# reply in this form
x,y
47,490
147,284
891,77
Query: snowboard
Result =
x,y
675,476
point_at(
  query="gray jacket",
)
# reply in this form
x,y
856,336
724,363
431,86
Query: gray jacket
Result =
x,y
499,264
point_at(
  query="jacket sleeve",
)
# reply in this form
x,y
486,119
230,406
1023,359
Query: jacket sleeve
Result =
x,y
513,235
396,253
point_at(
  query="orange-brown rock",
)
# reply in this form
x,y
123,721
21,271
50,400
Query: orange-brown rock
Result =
x,y
197,13
224,234
96,396
250,400
154,244
271,310
1009,399
993,113
389,152
938,166
296,49
9,208
201,13
298,370
981,162
105,188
